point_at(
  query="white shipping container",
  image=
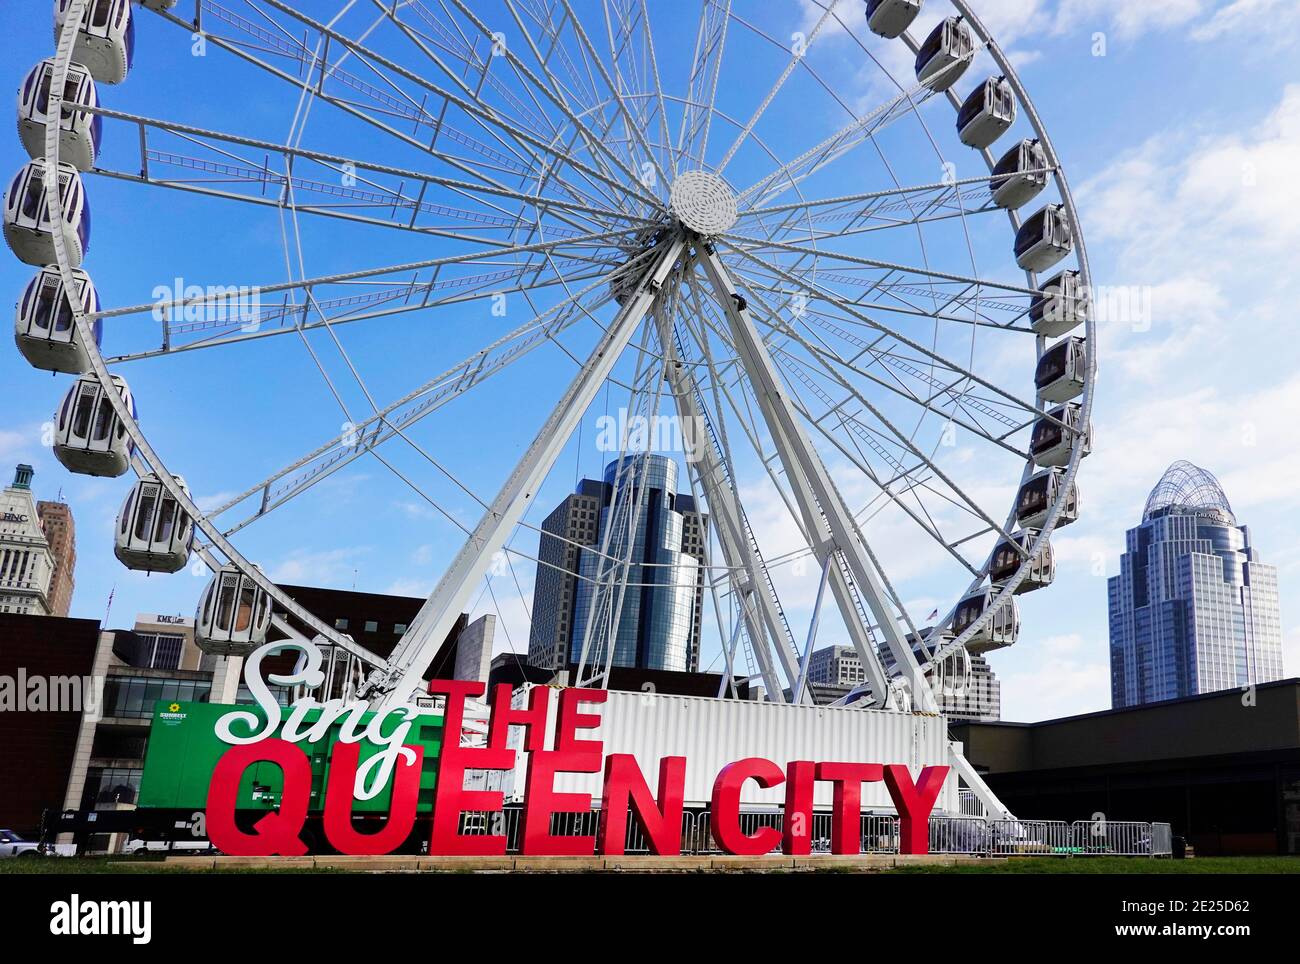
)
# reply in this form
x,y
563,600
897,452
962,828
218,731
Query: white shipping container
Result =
x,y
711,733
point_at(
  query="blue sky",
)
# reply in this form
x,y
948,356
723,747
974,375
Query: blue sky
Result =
x,y
1179,127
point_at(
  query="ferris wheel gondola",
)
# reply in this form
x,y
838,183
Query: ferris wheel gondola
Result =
x,y
89,436
1009,556
1043,491
1053,439
44,327
153,533
105,37
28,224
1062,370
234,614
80,131
945,55
1061,306
889,18
1001,630
1020,175
987,113
1044,238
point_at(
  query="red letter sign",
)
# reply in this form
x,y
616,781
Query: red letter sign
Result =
x,y
724,815
541,800
338,803
570,721
275,833
796,825
846,823
914,803
533,718
451,798
625,788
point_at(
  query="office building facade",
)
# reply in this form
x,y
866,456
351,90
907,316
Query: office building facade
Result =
x,y
636,514
61,534
833,672
26,563
1193,610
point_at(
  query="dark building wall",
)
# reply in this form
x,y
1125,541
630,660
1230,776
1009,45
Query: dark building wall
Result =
x,y
355,612
1225,773
36,748
623,678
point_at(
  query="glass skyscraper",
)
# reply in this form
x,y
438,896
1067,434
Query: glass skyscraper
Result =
x,y
634,514
1192,609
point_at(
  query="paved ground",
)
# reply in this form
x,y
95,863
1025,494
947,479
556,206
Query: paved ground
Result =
x,y
930,864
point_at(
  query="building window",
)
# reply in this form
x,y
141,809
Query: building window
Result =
x,y
340,624
106,786
372,626
162,650
399,628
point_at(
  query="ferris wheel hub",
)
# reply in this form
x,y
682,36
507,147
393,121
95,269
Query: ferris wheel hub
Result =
x,y
703,203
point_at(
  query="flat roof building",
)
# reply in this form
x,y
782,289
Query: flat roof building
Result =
x,y
1222,768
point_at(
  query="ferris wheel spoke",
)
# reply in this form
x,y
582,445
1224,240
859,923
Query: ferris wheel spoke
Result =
x,y
632,185
357,440
535,161
958,400
219,177
914,345
898,293
858,458
477,192
232,292
912,367
859,131
771,94
702,82
749,247
460,47
241,326
632,125
372,104
901,437
467,106
666,145
635,47
882,217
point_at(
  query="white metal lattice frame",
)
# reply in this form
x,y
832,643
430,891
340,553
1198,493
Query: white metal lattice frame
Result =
x,y
702,202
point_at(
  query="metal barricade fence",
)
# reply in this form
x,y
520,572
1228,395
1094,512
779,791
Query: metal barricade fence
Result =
x,y
1046,837
1120,838
1162,840
949,833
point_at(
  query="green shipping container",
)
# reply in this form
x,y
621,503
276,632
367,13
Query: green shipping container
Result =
x,y
184,749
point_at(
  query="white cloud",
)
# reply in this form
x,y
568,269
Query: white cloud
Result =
x,y
1127,18
330,568
1250,15
1054,685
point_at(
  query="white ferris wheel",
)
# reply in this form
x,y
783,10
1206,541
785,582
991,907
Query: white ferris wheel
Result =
x,y
874,301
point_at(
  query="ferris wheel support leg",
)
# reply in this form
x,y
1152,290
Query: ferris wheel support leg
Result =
x,y
993,807
396,685
828,523
767,634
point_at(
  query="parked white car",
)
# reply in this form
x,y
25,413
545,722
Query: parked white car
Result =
x,y
16,845
137,846
13,845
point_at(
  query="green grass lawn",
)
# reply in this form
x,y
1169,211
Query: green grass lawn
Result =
x,y
1035,865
